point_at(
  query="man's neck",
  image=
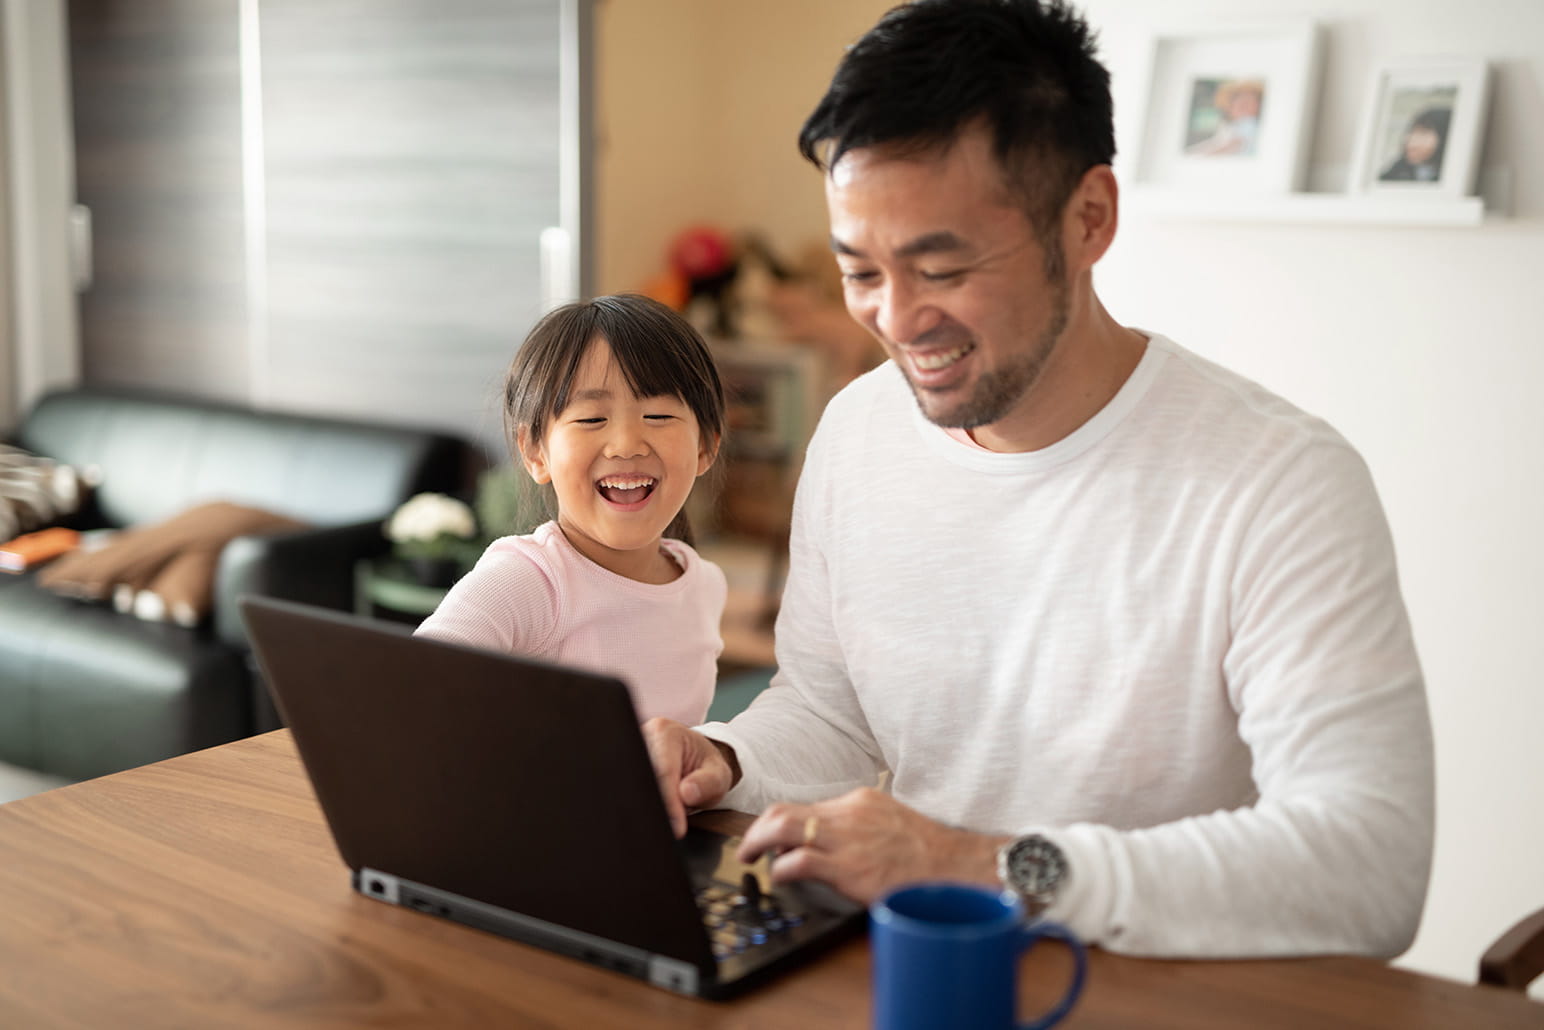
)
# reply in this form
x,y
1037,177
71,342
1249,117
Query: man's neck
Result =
x,y
1091,362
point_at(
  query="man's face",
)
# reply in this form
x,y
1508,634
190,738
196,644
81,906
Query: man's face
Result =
x,y
939,261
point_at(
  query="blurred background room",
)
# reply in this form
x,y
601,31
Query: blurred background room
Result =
x,y
356,210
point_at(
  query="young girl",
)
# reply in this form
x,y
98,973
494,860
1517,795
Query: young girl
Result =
x,y
616,404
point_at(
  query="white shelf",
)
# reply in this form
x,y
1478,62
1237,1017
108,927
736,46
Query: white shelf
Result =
x,y
1318,208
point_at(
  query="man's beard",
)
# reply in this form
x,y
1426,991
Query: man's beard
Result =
x,y
998,390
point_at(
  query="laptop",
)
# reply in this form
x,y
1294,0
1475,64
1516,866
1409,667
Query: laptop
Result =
x,y
517,797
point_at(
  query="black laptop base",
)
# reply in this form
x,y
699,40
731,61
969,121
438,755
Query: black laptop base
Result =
x,y
771,929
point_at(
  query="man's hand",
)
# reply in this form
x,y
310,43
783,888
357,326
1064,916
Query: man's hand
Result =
x,y
691,770
865,843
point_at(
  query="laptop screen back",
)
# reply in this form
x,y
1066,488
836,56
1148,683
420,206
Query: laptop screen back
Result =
x,y
508,781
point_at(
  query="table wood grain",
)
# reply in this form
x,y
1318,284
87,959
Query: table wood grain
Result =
x,y
205,892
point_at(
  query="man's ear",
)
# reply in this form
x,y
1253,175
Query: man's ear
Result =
x,y
533,456
1090,218
707,451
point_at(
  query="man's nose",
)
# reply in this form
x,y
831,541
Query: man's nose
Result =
x,y
902,315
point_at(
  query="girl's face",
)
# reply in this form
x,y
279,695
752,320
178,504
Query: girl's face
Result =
x,y
1421,144
622,467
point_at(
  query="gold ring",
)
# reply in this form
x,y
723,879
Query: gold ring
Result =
x,y
811,827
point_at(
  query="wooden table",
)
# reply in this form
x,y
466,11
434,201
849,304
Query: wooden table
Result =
x,y
204,892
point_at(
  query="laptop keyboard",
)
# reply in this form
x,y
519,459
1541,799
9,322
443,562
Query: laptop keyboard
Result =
x,y
742,918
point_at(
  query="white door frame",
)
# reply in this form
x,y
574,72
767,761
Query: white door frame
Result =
x,y
44,237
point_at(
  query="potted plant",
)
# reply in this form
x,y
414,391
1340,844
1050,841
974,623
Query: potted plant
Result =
x,y
435,535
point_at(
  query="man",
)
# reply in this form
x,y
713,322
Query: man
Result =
x,y
1124,628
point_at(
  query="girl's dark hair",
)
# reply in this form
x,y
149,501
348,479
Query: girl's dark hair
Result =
x,y
930,68
658,351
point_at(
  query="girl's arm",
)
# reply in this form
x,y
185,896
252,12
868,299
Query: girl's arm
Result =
x,y
507,603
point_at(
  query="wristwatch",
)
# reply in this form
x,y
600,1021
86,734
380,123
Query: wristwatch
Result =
x,y
1035,869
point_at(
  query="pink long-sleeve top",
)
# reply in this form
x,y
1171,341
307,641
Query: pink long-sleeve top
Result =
x,y
538,597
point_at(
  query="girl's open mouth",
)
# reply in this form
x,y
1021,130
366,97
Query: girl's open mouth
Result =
x,y
629,489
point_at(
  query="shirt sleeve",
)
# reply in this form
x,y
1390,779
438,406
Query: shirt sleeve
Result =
x,y
1335,855
804,738
508,603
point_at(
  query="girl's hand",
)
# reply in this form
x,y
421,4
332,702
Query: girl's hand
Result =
x,y
693,771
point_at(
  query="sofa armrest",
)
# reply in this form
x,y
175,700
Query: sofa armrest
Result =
x,y
312,566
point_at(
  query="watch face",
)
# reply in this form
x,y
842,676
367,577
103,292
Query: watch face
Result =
x,y
1035,865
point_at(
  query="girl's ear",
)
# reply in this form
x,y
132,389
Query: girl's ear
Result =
x,y
707,453
533,456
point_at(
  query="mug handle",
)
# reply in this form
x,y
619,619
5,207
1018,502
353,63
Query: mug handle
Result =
x,y
1033,932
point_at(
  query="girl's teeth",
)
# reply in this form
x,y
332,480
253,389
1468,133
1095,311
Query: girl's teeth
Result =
x,y
625,489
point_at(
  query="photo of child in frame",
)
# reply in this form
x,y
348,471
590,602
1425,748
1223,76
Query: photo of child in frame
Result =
x,y
1224,117
1414,134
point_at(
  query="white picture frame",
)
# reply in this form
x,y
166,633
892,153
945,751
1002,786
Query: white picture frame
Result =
x,y
1429,110
1229,108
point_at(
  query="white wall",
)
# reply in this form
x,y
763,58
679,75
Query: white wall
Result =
x,y
1423,346
699,104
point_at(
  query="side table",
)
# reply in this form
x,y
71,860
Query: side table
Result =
x,y
385,588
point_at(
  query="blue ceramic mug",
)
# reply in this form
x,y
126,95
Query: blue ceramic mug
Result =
x,y
947,955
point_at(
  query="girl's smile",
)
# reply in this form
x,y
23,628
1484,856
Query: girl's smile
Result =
x,y
626,492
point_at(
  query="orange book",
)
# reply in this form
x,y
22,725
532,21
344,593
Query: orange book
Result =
x,y
31,549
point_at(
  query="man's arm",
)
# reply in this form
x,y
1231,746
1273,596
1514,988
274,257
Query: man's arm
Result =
x,y
805,737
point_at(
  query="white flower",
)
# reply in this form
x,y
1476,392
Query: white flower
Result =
x,y
428,517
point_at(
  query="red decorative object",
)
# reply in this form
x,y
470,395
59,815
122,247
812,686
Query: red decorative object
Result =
x,y
706,258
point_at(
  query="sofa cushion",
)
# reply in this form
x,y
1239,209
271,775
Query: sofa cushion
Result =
x,y
85,691
159,455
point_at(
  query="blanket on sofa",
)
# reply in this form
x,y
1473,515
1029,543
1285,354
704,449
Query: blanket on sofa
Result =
x,y
162,572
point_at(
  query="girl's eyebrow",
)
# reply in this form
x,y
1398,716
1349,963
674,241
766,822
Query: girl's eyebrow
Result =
x,y
597,394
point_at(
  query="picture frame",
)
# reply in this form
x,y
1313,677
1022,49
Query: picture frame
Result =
x,y
1422,128
773,389
1229,107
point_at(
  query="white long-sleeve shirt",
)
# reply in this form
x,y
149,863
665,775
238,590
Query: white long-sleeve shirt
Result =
x,y
538,596
1173,642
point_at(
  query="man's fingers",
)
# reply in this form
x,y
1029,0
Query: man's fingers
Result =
x,y
665,752
813,863
692,791
705,785
675,808
780,828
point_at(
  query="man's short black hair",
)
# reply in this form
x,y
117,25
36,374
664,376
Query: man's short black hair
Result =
x,y
928,69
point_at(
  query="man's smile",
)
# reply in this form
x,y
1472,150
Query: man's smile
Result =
x,y
932,361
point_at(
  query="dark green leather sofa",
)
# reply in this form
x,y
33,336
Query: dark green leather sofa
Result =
x,y
86,691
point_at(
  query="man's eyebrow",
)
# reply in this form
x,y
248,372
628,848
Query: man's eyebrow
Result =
x,y
930,243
